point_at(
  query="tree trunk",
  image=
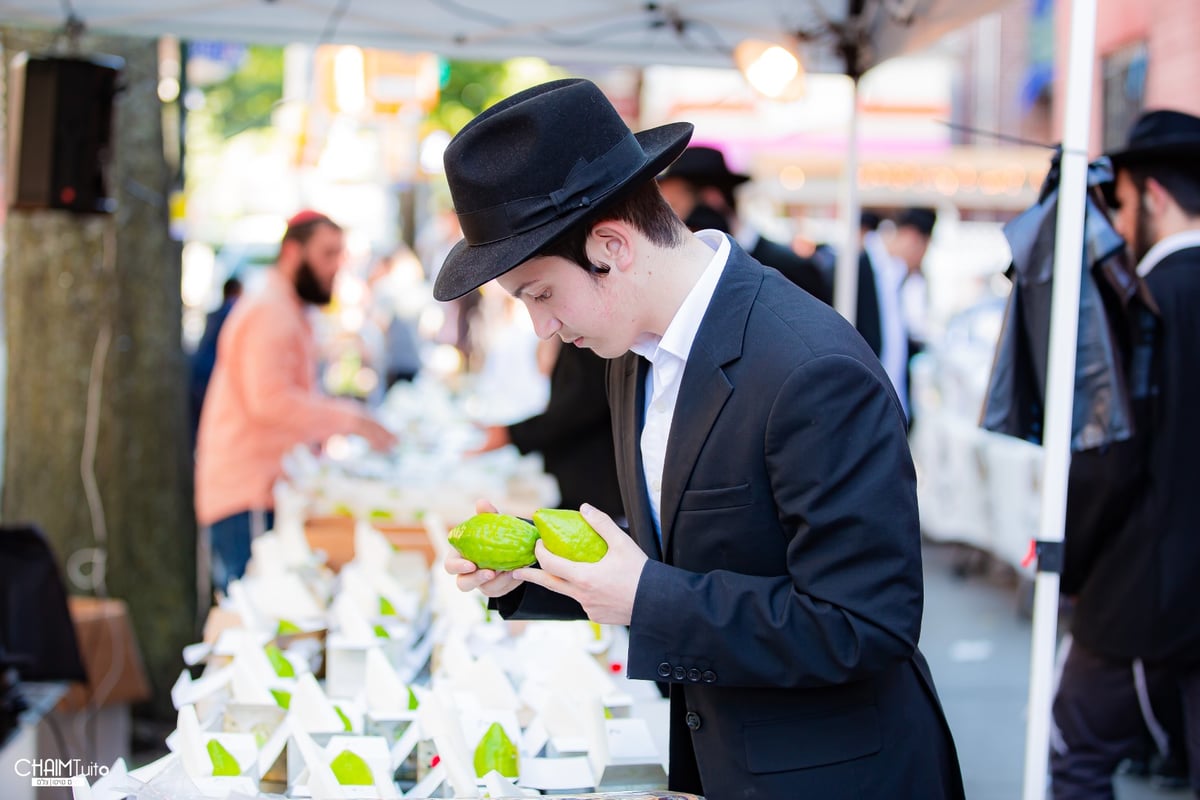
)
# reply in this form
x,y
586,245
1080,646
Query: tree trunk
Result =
x,y
93,311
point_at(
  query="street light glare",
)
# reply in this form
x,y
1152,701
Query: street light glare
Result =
x,y
770,69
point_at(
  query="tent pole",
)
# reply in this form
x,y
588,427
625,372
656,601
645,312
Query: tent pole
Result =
x,y
845,283
1060,385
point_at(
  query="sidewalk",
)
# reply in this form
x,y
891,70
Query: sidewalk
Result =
x,y
978,644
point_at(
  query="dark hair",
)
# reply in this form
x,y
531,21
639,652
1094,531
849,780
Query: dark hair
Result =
x,y
1182,183
921,220
302,226
644,208
231,288
705,216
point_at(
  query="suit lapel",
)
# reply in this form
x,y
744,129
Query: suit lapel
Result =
x,y
705,387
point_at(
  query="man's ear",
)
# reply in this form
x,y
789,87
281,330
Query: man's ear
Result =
x,y
1155,199
610,244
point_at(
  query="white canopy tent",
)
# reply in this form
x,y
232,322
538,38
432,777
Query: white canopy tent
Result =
x,y
847,36
684,32
844,36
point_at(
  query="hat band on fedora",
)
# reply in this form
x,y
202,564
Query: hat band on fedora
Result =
x,y
587,182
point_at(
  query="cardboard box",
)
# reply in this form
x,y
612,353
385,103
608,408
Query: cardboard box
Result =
x,y
408,537
92,721
335,536
110,654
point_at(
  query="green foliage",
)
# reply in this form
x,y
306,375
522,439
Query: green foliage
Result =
x,y
245,99
471,86
468,88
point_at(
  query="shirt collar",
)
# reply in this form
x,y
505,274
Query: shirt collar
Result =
x,y
681,332
1173,243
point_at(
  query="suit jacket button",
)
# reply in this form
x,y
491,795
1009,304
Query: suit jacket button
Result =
x,y
694,675
664,670
693,721
680,673
709,676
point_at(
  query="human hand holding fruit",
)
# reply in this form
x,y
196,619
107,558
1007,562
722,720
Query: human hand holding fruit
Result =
x,y
470,576
605,588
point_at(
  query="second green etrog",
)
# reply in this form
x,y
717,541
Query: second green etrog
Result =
x,y
567,534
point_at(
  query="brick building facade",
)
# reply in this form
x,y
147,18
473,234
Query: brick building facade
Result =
x,y
1147,56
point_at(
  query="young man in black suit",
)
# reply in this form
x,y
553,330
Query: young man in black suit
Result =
x,y
772,572
1135,629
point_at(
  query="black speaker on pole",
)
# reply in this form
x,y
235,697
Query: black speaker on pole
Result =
x,y
60,131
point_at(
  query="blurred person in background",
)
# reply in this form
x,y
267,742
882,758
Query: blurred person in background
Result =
x,y
910,243
699,187
202,361
1135,632
822,255
264,398
463,316
574,433
878,316
397,297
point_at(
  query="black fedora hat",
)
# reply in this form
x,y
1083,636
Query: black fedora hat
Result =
x,y
1159,135
704,166
526,170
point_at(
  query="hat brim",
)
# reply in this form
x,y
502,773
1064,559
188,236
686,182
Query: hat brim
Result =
x,y
1157,152
468,267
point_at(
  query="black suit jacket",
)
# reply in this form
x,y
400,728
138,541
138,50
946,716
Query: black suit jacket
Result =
x,y
784,604
1137,577
866,318
800,271
574,433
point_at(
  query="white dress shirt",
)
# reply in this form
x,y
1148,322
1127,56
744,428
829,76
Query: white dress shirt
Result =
x,y
889,274
1173,243
668,356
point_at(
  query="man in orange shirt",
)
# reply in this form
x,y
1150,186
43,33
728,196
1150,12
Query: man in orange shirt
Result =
x,y
263,398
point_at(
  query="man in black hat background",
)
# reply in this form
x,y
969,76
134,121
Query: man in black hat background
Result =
x,y
1135,634
772,571
701,189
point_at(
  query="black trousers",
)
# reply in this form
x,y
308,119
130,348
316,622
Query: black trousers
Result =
x,y
1105,711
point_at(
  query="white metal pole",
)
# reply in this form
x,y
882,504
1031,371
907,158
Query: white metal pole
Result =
x,y
845,283
1060,384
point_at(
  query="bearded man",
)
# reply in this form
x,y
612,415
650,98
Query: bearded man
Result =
x,y
1134,651
264,399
